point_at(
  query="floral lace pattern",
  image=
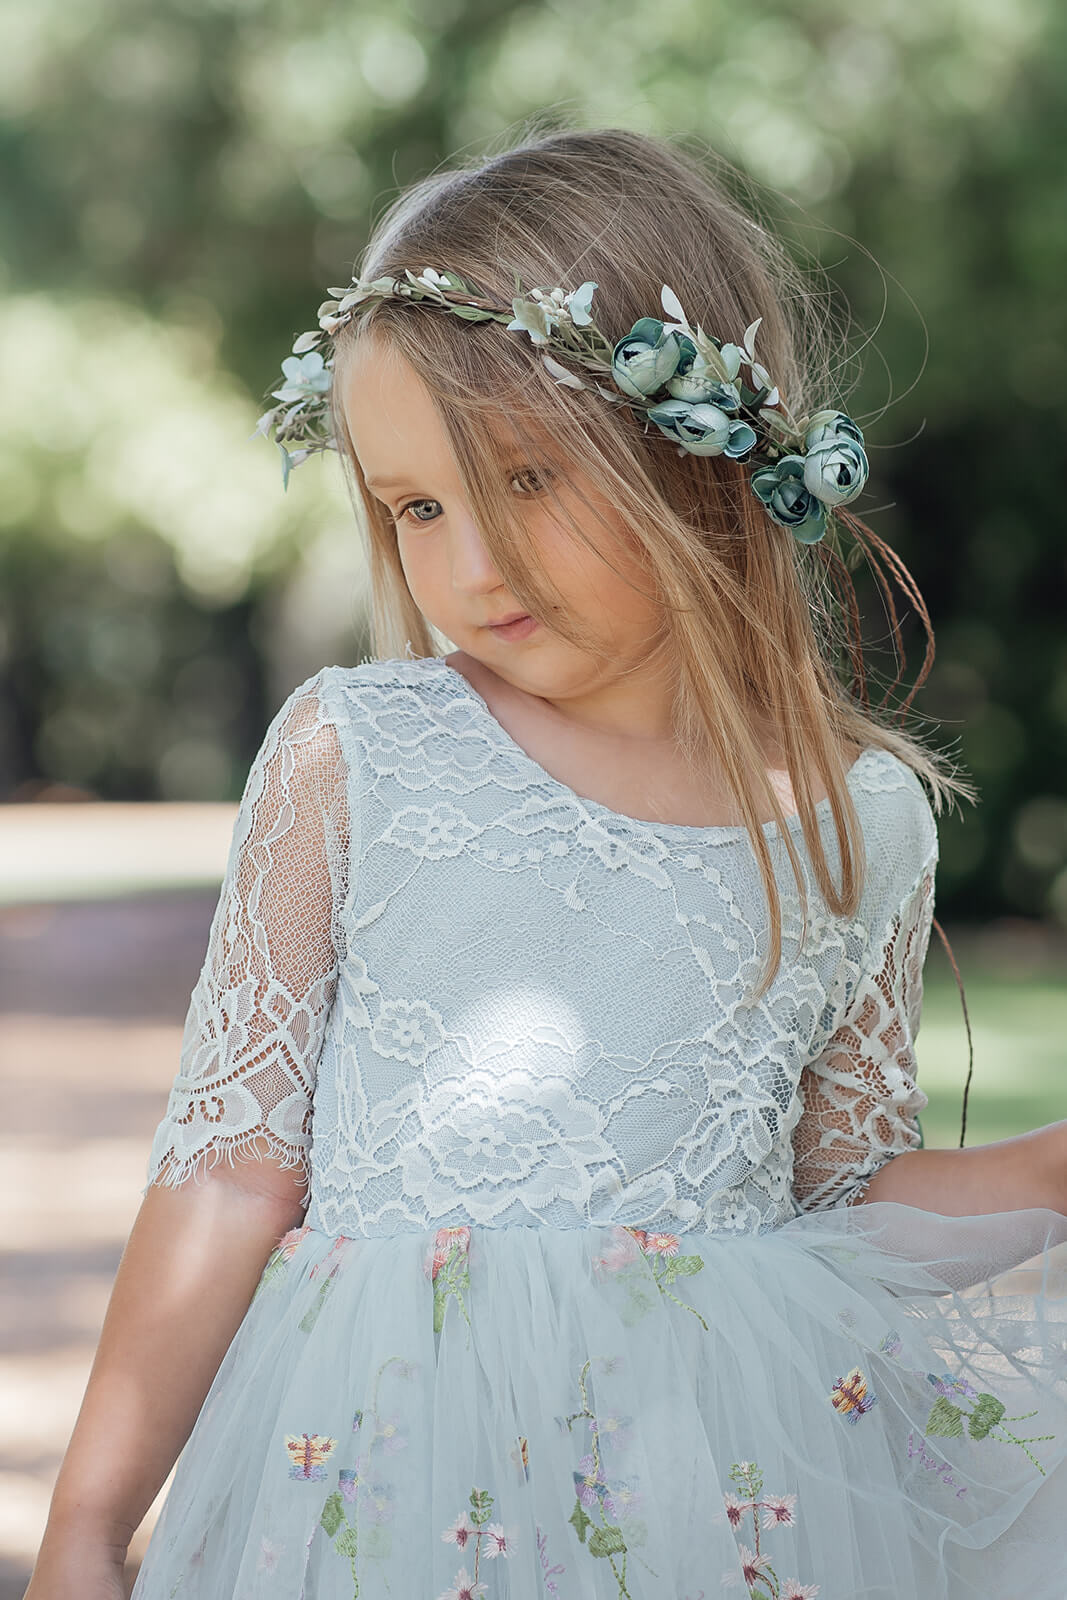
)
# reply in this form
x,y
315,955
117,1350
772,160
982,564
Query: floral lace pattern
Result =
x,y
445,989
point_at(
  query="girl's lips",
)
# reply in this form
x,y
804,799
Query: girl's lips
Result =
x,y
513,630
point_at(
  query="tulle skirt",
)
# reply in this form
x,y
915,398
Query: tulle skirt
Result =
x,y
863,1404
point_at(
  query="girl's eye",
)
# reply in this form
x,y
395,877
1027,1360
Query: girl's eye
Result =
x,y
413,505
531,479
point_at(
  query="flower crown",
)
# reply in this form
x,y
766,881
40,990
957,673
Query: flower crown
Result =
x,y
684,381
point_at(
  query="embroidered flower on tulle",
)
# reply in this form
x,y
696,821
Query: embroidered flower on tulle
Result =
x,y
487,1539
459,1532
604,1505
663,1255
946,1384
778,1512
735,1509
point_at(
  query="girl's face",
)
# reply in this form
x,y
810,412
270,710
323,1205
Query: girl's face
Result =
x,y
407,461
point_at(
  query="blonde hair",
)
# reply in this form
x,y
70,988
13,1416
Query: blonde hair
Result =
x,y
753,622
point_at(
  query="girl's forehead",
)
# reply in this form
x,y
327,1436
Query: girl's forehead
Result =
x,y
390,411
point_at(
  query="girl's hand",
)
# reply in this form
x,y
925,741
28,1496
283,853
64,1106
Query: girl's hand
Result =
x,y
78,1568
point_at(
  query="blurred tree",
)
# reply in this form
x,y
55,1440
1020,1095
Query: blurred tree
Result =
x,y
183,181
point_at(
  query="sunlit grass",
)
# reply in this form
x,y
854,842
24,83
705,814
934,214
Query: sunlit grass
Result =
x,y
1019,1021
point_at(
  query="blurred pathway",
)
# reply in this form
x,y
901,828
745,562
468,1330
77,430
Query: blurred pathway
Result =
x,y
93,995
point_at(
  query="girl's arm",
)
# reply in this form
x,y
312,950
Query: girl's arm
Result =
x,y
857,1139
1009,1175
185,1281
229,1162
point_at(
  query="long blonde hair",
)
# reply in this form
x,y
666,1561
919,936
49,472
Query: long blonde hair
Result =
x,y
752,620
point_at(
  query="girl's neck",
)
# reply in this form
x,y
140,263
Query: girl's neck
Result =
x,y
639,776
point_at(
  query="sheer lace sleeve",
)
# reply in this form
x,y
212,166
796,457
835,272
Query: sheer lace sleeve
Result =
x,y
256,1020
859,1097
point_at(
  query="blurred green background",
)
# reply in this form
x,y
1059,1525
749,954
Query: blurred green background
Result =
x,y
182,180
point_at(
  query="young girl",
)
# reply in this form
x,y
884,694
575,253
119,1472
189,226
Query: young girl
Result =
x,y
560,1222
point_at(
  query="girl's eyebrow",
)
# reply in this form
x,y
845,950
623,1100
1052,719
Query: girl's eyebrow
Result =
x,y
384,483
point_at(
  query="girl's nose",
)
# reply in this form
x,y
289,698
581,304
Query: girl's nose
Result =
x,y
473,569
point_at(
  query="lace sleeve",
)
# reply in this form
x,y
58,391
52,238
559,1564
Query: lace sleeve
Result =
x,y
859,1096
256,1020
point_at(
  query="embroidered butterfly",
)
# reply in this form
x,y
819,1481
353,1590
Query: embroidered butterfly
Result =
x,y
849,1396
521,1456
307,1452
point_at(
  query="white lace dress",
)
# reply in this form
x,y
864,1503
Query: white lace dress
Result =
x,y
582,1305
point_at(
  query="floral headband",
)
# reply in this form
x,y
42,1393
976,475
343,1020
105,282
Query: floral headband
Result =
x,y
684,381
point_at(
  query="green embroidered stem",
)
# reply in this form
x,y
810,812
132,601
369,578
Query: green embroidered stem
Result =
x,y
672,1296
452,1278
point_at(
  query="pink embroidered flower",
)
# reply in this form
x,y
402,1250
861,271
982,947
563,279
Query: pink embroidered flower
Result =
x,y
463,1587
445,1240
778,1509
269,1552
495,1541
460,1531
639,1234
661,1244
800,1591
735,1509
622,1248
289,1241
333,1252
752,1565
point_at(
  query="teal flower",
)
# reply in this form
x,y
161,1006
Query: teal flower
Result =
x,y
702,429
642,362
694,380
789,501
305,377
826,426
836,471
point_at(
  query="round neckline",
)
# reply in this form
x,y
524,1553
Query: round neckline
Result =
x,y
596,808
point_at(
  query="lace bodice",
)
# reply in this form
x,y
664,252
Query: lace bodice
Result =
x,y
444,989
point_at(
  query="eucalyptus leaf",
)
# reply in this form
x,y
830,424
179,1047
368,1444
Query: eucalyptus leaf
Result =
x,y
307,341
560,373
672,305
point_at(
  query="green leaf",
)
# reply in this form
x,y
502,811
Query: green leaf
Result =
x,y
986,1414
377,1541
579,1519
945,1418
472,313
332,1513
345,1543
687,1265
607,1541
